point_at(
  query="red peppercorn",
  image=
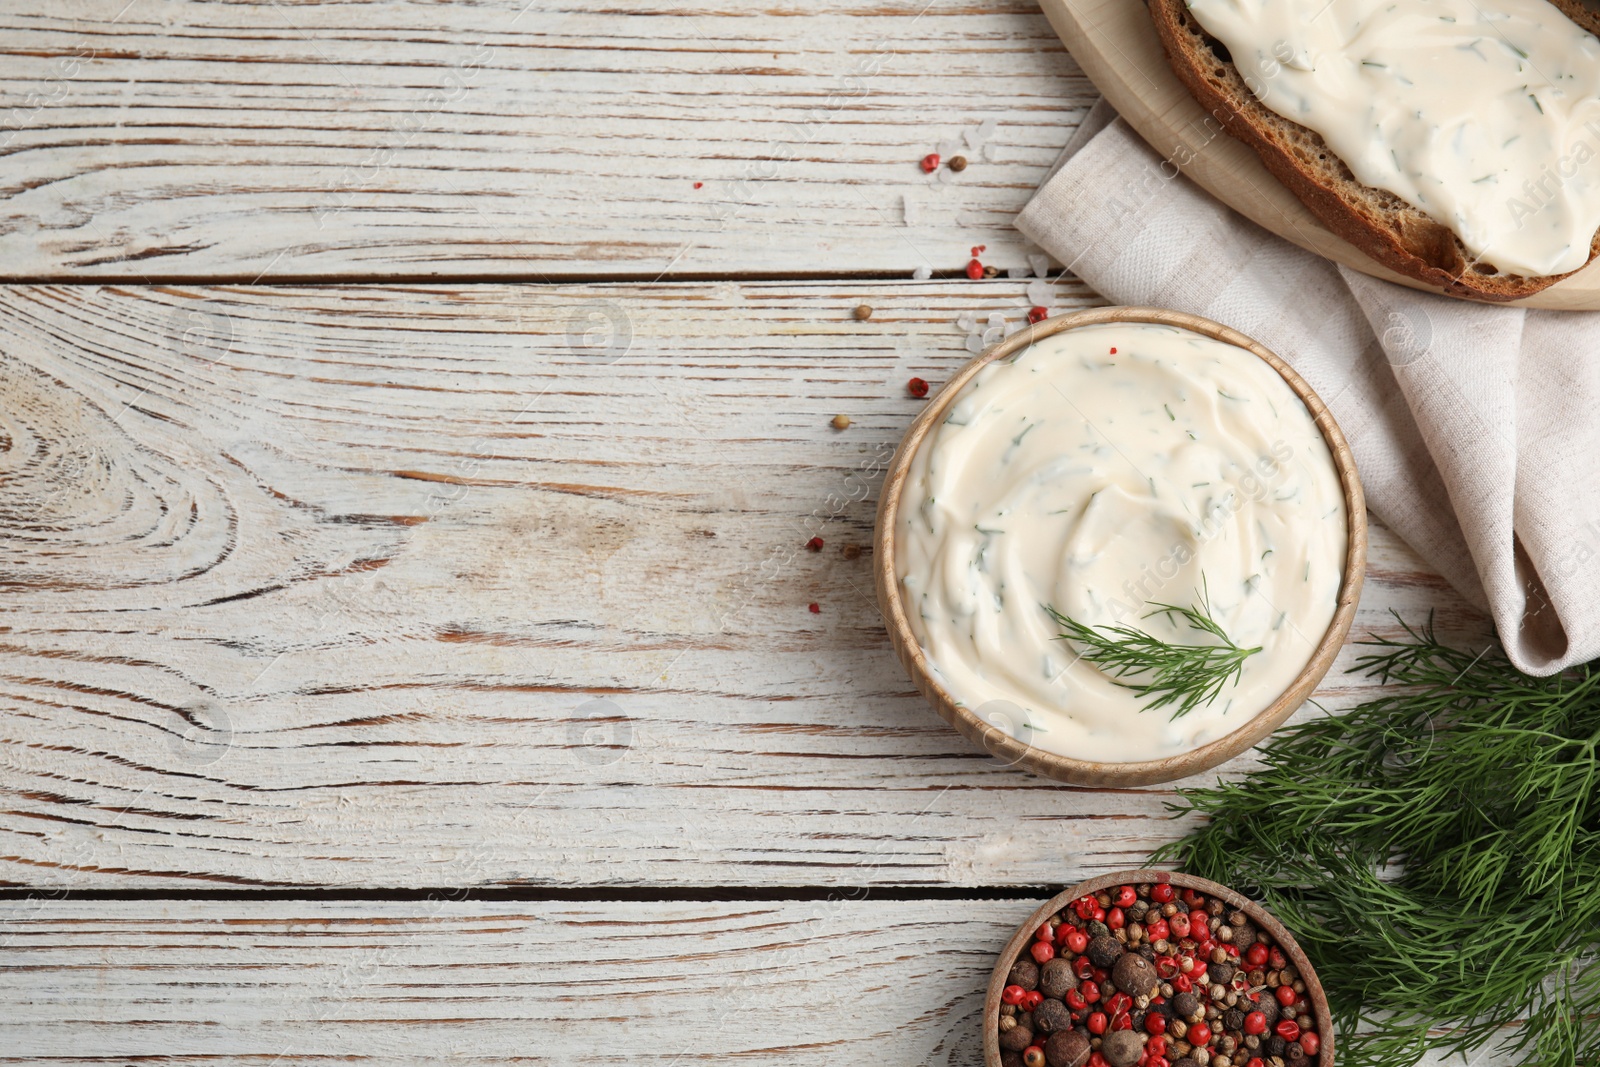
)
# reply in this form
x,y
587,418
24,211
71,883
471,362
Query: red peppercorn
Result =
x,y
1038,314
1097,1059
1084,906
1125,896
1199,1035
815,544
1031,999
1200,923
1166,967
1114,352
1287,1029
1255,1023
1179,924
1156,1046
1043,952
930,162
814,608
917,388
1157,1061
1121,1022
1256,955
1158,930
1012,994
1082,967
1278,960
974,269
1033,1056
1090,990
1077,941
1115,920
1310,1042
1256,1061
1118,1003
1074,1000
1193,899
1155,1023
1098,1023
1286,995
1161,892
699,185
1044,933
1099,914
1182,983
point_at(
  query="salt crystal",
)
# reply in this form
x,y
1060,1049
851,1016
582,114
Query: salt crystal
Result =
x,y
1040,265
990,153
993,334
948,149
986,129
1016,272
922,273
1012,327
967,321
974,343
996,318
910,209
1041,293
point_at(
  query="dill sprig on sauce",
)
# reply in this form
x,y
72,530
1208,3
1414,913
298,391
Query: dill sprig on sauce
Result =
x,y
1436,851
1189,676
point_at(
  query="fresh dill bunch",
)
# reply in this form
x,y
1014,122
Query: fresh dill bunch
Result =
x,y
1436,851
1189,676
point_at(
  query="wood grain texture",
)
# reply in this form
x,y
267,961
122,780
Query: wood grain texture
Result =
x,y
447,586
801,983
229,984
171,139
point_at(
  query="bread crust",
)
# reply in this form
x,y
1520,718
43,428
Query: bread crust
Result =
x,y
1380,224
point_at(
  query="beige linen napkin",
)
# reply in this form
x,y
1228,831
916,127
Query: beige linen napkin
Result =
x,y
1476,429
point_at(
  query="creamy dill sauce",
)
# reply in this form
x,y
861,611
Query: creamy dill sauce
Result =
x,y
1094,483
1484,116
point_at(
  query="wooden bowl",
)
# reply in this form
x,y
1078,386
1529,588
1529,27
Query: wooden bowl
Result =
x,y
1258,915
1001,744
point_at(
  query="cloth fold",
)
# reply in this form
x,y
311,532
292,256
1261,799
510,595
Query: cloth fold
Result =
x,y
1476,429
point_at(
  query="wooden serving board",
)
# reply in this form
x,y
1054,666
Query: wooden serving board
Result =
x,y
1115,43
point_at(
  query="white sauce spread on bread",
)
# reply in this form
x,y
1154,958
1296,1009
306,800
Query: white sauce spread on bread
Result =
x,y
1485,114
1102,470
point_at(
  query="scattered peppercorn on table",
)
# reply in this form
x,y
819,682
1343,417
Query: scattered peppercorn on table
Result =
x,y
438,459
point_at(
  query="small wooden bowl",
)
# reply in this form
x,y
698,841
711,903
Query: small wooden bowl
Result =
x,y
1258,915
1002,745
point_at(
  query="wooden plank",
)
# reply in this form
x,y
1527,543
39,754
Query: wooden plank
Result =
x,y
171,139
438,586
790,984
798,983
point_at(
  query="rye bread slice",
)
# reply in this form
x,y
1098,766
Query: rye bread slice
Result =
x,y
1380,224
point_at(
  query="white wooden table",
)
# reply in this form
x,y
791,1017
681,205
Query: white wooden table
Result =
x,y
411,420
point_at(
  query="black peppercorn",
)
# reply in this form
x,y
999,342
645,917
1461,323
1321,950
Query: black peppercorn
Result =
x,y
1233,1019
1295,1055
1104,951
1269,1008
1221,973
1024,973
1186,1005
1057,978
1069,1048
1050,1016
1097,929
1185,1062
1275,1045
1010,1059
